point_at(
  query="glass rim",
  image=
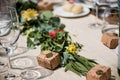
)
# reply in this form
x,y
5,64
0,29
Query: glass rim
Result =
x,y
8,9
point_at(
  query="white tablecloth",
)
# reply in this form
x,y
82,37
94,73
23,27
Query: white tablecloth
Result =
x,y
93,47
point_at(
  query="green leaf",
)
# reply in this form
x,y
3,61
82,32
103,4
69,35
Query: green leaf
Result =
x,y
60,35
54,20
29,31
61,26
38,35
46,27
70,67
30,44
67,67
36,41
84,61
23,21
47,14
66,57
81,66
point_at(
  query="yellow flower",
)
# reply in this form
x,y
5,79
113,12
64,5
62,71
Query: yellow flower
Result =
x,y
72,49
30,14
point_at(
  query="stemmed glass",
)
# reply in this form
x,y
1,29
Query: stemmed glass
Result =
x,y
9,34
99,8
111,20
6,41
16,49
94,7
15,22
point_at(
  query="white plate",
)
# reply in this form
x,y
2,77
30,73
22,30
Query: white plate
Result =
x,y
60,12
23,62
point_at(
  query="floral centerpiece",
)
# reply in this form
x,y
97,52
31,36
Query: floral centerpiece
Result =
x,y
46,30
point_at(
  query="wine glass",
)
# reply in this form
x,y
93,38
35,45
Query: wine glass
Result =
x,y
17,49
99,6
4,21
94,7
111,21
9,34
15,22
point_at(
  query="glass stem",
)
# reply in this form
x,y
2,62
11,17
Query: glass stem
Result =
x,y
9,51
96,12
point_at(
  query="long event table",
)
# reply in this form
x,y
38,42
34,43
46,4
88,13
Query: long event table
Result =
x,y
93,47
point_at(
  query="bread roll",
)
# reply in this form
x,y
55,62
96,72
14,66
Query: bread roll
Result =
x,y
77,9
68,7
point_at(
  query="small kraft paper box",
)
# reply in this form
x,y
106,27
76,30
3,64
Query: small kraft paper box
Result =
x,y
49,59
99,72
43,5
110,40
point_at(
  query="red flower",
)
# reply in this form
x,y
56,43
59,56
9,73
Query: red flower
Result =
x,y
54,33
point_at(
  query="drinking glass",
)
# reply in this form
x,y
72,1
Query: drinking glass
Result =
x,y
98,9
15,22
9,34
111,21
16,49
94,7
6,38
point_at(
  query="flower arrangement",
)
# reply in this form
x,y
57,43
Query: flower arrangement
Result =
x,y
46,30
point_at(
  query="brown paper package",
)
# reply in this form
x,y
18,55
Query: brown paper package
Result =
x,y
42,5
48,59
99,72
110,40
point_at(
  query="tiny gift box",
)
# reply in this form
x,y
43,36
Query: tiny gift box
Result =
x,y
49,59
110,40
99,72
42,5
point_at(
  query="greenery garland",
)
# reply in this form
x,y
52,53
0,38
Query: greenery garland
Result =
x,y
46,30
